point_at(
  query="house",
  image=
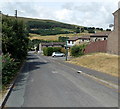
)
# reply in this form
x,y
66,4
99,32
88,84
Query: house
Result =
x,y
50,44
72,41
100,36
84,39
77,40
113,45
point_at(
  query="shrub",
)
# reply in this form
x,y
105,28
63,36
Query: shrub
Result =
x,y
77,50
9,68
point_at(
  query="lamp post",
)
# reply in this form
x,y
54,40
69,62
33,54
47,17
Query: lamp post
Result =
x,y
66,50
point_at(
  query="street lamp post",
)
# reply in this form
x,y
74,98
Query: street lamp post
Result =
x,y
66,50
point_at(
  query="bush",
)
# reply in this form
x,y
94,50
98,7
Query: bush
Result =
x,y
9,68
57,49
77,50
48,51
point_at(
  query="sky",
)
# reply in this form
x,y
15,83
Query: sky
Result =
x,y
90,13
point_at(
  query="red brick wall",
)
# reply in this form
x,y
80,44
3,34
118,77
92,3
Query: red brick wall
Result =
x,y
99,46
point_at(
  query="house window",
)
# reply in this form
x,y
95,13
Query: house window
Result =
x,y
68,41
105,38
72,42
95,39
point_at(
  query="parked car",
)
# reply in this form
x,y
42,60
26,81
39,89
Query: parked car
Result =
x,y
57,54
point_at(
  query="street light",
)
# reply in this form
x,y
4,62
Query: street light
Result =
x,y
66,50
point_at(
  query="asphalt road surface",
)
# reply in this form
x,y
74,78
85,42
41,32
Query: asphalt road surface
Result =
x,y
44,82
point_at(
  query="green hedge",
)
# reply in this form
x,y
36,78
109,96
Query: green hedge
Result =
x,y
47,51
9,68
78,50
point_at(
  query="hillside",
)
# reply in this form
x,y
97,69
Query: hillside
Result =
x,y
47,27
43,27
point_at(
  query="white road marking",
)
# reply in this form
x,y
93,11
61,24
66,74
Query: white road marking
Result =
x,y
54,72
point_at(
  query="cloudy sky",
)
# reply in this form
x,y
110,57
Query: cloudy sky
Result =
x,y
97,13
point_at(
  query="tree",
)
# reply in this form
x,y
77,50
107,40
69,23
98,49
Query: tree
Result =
x,y
108,29
14,38
82,29
78,30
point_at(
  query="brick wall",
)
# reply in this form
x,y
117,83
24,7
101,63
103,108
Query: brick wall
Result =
x,y
99,46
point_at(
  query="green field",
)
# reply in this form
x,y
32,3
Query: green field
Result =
x,y
54,37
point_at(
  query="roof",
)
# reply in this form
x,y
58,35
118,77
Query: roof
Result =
x,y
73,38
116,11
52,43
80,37
101,34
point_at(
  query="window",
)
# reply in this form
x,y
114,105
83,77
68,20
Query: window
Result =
x,y
68,41
104,38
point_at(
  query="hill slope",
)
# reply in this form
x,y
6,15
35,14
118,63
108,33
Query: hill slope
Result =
x,y
47,27
50,27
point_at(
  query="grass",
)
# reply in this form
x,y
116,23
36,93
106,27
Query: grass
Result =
x,y
54,37
102,62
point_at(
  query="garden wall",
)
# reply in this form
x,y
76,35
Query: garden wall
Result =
x,y
99,46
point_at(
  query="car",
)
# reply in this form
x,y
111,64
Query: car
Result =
x,y
57,54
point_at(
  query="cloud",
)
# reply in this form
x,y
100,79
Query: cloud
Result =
x,y
98,14
92,13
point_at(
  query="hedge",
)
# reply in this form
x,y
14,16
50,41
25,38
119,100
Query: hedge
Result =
x,y
47,51
9,68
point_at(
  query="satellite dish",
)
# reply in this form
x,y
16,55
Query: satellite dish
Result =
x,y
111,25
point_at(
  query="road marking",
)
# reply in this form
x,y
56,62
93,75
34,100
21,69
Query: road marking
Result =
x,y
54,72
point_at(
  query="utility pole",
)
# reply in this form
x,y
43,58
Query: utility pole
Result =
x,y
66,49
16,13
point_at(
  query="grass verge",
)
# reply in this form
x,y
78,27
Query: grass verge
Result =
x,y
102,62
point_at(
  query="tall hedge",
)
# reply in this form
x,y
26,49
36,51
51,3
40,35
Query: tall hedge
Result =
x,y
47,51
14,47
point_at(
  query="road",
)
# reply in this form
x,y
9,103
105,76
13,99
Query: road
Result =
x,y
44,82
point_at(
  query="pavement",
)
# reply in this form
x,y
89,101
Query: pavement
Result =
x,y
51,82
